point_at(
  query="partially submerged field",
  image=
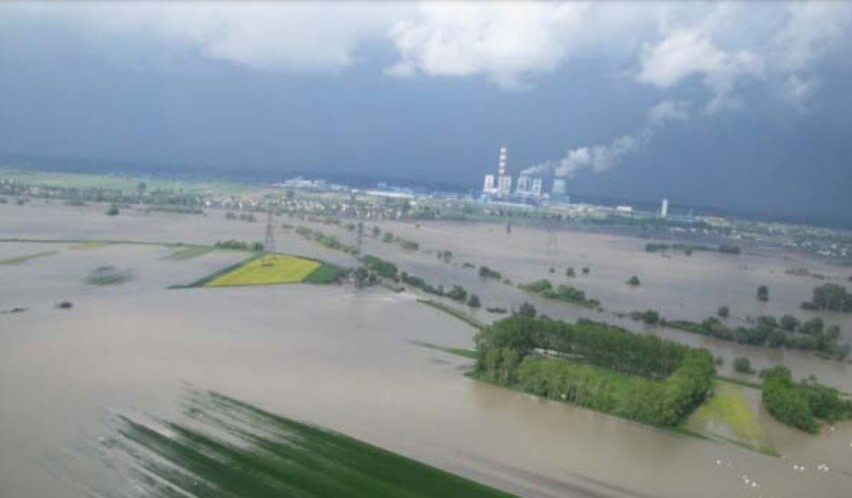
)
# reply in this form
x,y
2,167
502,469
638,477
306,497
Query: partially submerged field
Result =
x,y
236,449
729,416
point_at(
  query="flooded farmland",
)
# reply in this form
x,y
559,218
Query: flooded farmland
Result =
x,y
344,359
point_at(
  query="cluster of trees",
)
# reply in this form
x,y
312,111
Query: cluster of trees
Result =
x,y
651,317
633,281
238,244
329,241
565,293
388,270
830,297
658,381
242,216
804,404
486,272
810,335
381,267
689,248
445,256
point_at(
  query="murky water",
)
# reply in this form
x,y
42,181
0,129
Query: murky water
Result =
x,y
337,358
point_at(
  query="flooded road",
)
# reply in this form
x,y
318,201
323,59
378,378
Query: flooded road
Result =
x,y
335,357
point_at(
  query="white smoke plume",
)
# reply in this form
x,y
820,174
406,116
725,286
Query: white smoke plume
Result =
x,y
603,157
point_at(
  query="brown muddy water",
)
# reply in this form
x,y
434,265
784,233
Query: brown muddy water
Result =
x,y
344,360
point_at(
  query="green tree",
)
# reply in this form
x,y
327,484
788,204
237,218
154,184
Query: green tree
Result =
x,y
526,309
743,365
763,293
634,281
789,323
570,272
723,311
473,301
112,211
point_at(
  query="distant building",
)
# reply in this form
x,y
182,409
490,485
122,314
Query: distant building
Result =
x,y
559,187
488,184
664,208
523,186
535,188
504,185
624,209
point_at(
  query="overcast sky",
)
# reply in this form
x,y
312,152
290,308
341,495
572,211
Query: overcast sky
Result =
x,y
745,105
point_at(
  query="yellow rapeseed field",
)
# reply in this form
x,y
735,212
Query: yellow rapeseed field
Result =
x,y
283,269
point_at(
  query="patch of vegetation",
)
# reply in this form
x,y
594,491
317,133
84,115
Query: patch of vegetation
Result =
x,y
743,365
802,405
789,332
381,267
266,270
109,275
727,415
112,211
597,366
564,293
473,322
175,209
90,244
65,305
239,245
188,252
326,274
830,297
486,272
633,281
230,448
763,293
23,259
497,310
689,248
328,241
466,353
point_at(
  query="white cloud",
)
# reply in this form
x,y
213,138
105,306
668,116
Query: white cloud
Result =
x,y
505,41
689,52
270,36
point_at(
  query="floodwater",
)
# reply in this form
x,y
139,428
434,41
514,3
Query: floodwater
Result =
x,y
335,357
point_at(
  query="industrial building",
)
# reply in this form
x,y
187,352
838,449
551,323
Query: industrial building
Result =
x,y
527,188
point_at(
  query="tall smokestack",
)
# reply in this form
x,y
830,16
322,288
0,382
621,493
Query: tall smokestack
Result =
x,y
501,165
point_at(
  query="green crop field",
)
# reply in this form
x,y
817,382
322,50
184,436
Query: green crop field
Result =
x,y
235,449
271,269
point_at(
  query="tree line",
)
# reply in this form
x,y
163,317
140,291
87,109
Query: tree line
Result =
x,y
561,292
596,365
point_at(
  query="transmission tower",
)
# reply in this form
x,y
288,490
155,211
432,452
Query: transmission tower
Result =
x,y
269,240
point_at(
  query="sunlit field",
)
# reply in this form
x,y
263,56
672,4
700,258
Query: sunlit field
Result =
x,y
271,269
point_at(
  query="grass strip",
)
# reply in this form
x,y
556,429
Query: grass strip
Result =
x,y
473,322
466,353
23,259
231,448
188,252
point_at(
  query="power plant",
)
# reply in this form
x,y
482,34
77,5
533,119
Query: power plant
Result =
x,y
527,189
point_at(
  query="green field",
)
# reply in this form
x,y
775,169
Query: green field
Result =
x,y
268,269
231,449
126,183
728,416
